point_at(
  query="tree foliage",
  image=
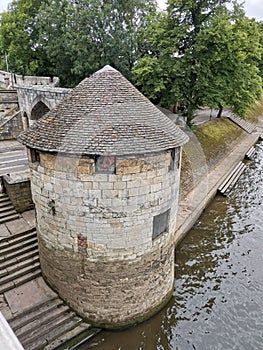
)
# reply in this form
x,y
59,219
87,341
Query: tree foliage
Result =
x,y
73,38
19,38
206,53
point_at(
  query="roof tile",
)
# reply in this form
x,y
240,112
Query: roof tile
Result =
x,y
104,114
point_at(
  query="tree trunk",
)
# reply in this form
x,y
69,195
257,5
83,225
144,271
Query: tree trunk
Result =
x,y
220,110
190,115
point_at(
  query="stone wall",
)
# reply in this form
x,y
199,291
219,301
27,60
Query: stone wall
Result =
x,y
29,97
96,232
17,186
11,79
8,96
11,127
111,294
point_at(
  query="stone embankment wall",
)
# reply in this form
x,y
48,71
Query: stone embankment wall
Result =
x,y
17,186
10,118
96,233
8,97
11,127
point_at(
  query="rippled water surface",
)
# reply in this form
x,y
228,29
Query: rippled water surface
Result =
x,y
218,294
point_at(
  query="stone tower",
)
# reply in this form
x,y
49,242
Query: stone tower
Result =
x,y
105,170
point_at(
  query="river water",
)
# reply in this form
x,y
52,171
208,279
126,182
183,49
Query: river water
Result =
x,y
218,294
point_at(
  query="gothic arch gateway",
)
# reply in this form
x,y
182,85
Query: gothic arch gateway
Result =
x,y
36,101
39,110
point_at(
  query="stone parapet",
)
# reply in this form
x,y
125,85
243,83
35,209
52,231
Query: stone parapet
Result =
x,y
17,186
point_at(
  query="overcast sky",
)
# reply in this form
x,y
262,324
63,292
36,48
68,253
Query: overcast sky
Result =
x,y
253,8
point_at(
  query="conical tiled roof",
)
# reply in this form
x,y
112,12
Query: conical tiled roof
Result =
x,y
104,114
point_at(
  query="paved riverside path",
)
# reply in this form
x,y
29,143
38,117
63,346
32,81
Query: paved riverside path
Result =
x,y
192,205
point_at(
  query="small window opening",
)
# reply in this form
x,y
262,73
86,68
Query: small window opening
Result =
x,y
35,156
105,164
160,223
175,159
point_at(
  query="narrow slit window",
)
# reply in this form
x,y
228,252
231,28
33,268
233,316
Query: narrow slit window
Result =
x,y
175,159
35,156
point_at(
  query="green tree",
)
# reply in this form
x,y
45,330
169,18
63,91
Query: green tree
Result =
x,y
73,38
205,55
19,38
230,52
81,36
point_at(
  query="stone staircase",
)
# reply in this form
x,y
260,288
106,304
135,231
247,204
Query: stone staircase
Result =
x,y
19,260
49,323
7,210
242,123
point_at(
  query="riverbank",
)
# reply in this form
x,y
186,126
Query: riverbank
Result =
x,y
209,179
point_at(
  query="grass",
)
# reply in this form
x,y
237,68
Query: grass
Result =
x,y
255,111
216,139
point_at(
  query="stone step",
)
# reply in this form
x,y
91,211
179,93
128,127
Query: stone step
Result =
x,y
232,173
33,313
15,249
73,338
3,196
250,152
9,218
7,207
20,280
227,186
19,259
4,199
234,180
17,273
245,125
18,266
7,213
18,253
17,238
42,336
5,203
42,320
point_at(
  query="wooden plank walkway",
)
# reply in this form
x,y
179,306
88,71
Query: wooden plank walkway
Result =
x,y
231,179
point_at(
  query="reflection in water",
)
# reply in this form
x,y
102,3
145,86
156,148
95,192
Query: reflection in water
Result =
x,y
217,302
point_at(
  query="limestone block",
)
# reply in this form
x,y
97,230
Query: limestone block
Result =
x,y
134,183
156,188
134,192
110,193
120,185
129,166
105,185
47,160
86,166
